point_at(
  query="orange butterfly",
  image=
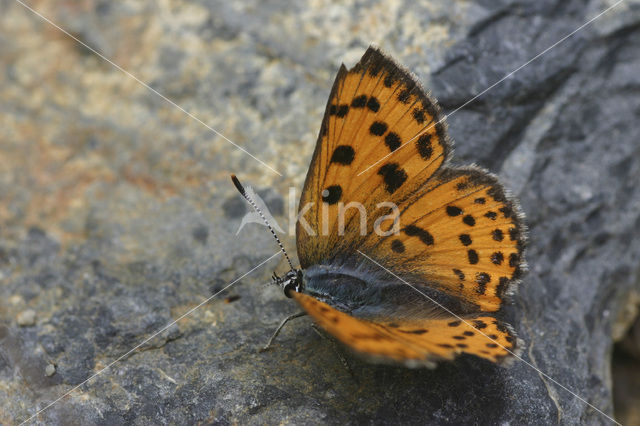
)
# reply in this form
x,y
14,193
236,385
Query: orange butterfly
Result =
x,y
456,237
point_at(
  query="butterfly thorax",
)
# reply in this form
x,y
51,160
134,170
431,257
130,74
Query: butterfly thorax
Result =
x,y
340,288
366,294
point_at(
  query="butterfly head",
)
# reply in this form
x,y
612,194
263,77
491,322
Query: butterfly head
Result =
x,y
291,281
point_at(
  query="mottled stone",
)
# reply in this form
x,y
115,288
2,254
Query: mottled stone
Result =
x,y
26,318
50,370
117,214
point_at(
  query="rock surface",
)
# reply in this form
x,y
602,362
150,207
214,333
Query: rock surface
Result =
x,y
117,215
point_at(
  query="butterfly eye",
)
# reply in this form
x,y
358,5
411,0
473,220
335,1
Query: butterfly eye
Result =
x,y
289,287
292,282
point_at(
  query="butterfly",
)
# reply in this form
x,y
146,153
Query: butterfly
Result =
x,y
424,277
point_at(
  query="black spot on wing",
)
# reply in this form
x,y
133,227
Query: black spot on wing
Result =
x,y
339,110
506,211
422,234
497,258
503,283
417,331
459,274
473,256
482,279
359,101
392,140
465,239
375,67
424,146
343,154
397,246
419,115
378,128
461,186
389,80
491,215
332,194
469,220
373,104
454,211
404,96
393,176
479,324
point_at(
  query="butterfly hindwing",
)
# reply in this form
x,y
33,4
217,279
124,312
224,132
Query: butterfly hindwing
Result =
x,y
461,234
416,342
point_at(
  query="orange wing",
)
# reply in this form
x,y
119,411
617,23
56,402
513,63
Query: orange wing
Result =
x,y
460,234
458,231
375,109
417,342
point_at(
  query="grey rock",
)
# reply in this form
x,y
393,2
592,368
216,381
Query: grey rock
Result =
x,y
26,318
50,370
117,215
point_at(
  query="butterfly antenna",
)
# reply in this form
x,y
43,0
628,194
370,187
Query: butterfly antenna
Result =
x,y
240,189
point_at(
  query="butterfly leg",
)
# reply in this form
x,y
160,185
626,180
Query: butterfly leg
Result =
x,y
337,349
275,334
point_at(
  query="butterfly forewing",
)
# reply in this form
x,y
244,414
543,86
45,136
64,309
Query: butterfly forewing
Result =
x,y
416,342
381,139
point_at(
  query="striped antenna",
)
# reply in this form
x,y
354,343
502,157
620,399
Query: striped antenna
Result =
x,y
240,189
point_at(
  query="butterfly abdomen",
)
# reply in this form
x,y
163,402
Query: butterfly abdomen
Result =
x,y
369,295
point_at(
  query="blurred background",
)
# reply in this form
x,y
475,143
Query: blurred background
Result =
x,y
117,214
